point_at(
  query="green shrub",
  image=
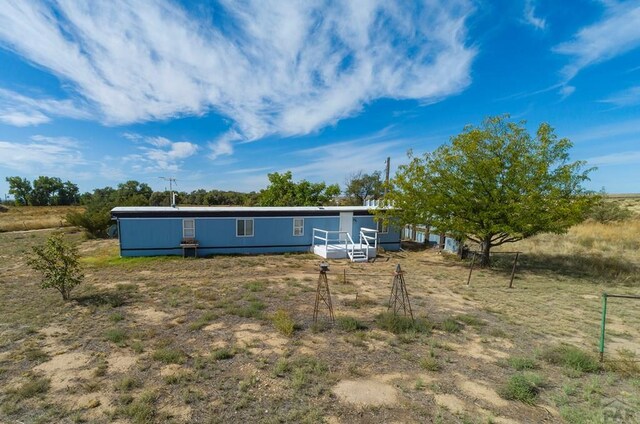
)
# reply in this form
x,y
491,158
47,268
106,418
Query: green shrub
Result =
x,y
571,357
350,324
283,322
94,221
522,387
400,324
169,356
605,211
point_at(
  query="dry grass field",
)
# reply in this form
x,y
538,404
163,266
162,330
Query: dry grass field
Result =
x,y
231,338
629,201
21,218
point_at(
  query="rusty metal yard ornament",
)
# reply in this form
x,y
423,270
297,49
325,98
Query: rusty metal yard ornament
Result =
x,y
322,293
399,299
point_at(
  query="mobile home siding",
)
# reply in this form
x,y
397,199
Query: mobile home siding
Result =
x,y
145,233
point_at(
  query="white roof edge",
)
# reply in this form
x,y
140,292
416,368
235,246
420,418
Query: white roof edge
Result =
x,y
238,208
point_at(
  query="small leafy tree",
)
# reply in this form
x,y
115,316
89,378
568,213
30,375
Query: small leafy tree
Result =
x,y
57,261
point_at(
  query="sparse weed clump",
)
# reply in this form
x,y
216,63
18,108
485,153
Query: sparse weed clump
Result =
x,y
450,325
116,335
430,364
127,384
522,363
304,371
350,324
572,358
283,322
169,356
471,320
522,387
141,410
201,322
401,324
35,386
222,354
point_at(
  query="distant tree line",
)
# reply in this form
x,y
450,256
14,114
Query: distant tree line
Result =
x,y
45,191
96,217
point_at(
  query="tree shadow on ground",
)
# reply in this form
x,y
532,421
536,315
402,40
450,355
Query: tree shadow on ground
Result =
x,y
588,266
114,299
120,296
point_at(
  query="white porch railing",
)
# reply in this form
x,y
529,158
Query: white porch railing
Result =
x,y
342,240
327,237
368,234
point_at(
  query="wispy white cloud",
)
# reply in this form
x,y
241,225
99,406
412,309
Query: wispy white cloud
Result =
x,y
627,97
55,155
158,153
622,158
621,130
617,33
286,68
530,16
19,110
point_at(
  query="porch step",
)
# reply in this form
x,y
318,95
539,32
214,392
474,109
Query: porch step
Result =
x,y
358,256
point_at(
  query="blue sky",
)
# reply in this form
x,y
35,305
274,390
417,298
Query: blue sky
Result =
x,y
219,94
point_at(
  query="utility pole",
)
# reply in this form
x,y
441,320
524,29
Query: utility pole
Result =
x,y
171,180
386,178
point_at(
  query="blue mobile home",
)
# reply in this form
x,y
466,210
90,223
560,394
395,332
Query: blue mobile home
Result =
x,y
331,231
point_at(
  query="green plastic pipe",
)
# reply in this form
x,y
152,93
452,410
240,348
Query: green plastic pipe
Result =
x,y
604,319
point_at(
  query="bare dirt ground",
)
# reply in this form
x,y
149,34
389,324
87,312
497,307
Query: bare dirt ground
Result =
x,y
193,340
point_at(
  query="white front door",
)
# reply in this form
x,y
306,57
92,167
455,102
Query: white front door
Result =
x,y
346,224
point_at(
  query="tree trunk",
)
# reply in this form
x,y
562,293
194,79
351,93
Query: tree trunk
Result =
x,y
427,231
485,259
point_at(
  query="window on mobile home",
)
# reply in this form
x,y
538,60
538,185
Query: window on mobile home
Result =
x,y
244,227
188,228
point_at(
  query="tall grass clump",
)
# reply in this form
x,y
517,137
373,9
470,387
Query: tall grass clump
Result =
x,y
283,322
572,358
522,387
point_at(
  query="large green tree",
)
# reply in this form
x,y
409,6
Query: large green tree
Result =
x,y
20,188
361,185
283,191
45,191
495,184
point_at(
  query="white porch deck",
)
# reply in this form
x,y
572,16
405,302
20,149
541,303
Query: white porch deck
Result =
x,y
341,251
340,245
